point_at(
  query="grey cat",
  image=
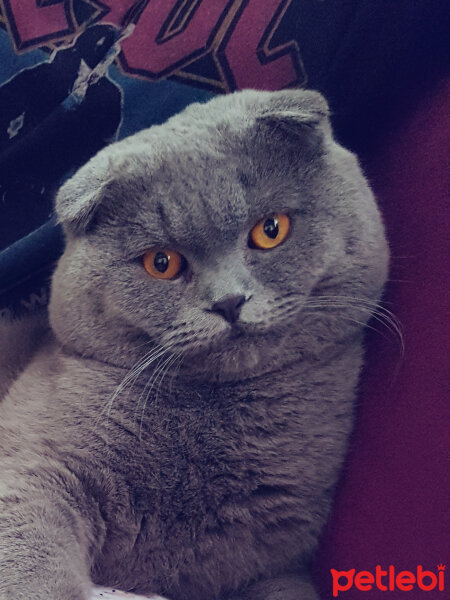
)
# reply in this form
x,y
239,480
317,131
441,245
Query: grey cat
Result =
x,y
183,426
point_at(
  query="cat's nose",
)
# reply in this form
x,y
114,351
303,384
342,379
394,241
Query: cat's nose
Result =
x,y
229,307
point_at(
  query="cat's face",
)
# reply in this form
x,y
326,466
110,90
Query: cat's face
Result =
x,y
210,235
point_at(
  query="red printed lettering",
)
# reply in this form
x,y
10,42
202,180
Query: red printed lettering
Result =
x,y
421,575
441,569
405,581
246,55
339,587
391,578
364,581
379,573
169,35
115,11
32,24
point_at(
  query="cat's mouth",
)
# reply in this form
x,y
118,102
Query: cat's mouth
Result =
x,y
226,339
237,330
238,335
241,330
216,337
240,350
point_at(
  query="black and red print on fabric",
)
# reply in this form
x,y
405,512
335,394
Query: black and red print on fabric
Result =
x,y
224,45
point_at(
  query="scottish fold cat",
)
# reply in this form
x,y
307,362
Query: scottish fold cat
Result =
x,y
181,430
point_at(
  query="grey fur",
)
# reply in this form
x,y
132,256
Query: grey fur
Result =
x,y
210,472
19,340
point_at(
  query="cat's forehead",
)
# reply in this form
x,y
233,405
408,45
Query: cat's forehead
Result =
x,y
198,192
214,170
206,163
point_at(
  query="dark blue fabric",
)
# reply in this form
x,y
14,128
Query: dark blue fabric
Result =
x,y
26,267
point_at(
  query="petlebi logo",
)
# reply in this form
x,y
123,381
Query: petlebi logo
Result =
x,y
389,580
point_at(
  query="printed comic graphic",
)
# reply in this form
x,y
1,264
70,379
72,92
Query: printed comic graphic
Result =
x,y
222,45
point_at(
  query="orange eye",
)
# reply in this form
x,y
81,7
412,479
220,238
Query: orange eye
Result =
x,y
270,232
163,264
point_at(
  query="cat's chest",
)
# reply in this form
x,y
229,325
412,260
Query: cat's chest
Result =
x,y
197,459
201,456
242,466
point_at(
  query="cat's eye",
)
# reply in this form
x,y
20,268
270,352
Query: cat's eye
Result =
x,y
163,264
270,232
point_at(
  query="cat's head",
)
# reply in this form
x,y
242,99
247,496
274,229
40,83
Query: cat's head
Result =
x,y
216,235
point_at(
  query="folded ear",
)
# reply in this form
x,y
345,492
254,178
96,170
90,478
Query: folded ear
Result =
x,y
305,107
295,113
81,195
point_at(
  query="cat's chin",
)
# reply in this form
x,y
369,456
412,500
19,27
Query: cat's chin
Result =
x,y
237,337
241,352
223,365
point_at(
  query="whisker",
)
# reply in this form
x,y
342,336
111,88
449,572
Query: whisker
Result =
x,y
377,312
180,358
168,367
131,377
400,281
160,358
154,378
347,317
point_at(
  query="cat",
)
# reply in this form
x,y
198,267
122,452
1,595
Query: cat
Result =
x,y
182,428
